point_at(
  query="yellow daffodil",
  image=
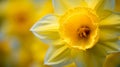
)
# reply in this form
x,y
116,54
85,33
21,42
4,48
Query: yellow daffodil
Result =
x,y
20,16
19,20
112,60
81,31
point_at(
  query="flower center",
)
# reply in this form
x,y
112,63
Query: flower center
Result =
x,y
83,32
79,28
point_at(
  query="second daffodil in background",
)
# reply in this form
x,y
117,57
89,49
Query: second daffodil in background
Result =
x,y
81,31
20,16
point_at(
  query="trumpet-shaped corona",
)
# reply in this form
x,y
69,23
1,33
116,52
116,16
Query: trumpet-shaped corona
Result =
x,y
79,28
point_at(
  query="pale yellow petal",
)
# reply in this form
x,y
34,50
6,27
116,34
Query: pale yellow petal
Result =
x,y
103,7
112,60
111,46
101,4
58,56
61,6
47,29
92,57
94,3
110,28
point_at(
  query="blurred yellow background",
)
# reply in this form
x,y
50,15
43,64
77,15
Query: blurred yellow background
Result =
x,y
18,46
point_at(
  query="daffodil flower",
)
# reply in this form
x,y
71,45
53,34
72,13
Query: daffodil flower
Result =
x,y
19,20
81,31
112,60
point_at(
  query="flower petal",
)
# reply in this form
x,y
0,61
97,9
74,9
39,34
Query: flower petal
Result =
x,y
93,3
79,61
58,56
101,4
60,6
109,28
97,55
103,7
47,29
108,5
111,46
92,57
112,60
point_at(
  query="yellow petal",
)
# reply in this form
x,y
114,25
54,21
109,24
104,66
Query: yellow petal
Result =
x,y
94,3
102,7
98,55
113,19
58,56
94,57
101,4
60,6
47,29
110,27
112,60
111,45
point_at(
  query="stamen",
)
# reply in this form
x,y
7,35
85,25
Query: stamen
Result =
x,y
83,32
